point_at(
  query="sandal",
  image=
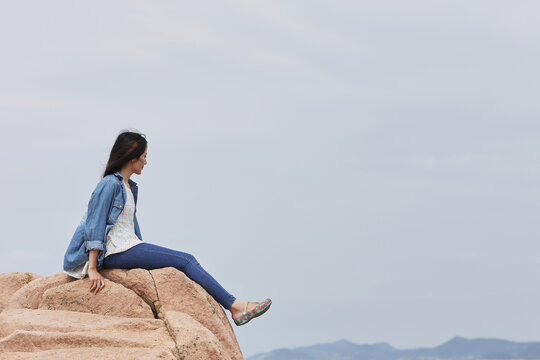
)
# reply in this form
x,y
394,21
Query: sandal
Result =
x,y
248,315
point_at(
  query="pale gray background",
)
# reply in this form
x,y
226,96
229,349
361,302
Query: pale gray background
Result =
x,y
371,167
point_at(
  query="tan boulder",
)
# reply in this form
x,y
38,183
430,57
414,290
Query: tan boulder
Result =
x,y
37,330
138,280
178,293
29,296
114,299
11,282
197,342
140,314
101,353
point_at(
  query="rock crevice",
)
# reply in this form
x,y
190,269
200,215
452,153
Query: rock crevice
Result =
x,y
156,305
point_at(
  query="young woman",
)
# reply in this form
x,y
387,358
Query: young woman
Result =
x,y
108,236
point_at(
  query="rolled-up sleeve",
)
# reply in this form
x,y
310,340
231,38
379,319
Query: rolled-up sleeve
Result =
x,y
96,219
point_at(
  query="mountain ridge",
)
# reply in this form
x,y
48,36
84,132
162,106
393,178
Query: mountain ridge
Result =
x,y
457,348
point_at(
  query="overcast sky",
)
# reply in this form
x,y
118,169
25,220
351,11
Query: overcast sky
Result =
x,y
374,163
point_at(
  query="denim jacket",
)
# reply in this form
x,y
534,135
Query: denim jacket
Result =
x,y
105,205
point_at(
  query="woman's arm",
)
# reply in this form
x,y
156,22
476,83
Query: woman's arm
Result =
x,y
92,261
96,227
96,218
97,282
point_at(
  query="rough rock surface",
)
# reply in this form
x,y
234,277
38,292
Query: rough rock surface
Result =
x,y
74,297
140,314
196,302
197,342
10,283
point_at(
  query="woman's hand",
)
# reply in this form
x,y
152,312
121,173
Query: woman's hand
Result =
x,y
98,281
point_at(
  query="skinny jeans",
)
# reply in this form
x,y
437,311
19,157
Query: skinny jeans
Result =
x,y
150,256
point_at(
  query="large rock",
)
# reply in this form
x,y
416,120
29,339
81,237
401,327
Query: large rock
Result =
x,y
113,299
138,280
11,282
25,330
140,314
29,296
178,293
197,342
102,353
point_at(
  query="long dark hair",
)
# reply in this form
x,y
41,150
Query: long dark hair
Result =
x,y
128,145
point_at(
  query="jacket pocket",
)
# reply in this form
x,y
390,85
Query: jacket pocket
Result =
x,y
116,209
118,204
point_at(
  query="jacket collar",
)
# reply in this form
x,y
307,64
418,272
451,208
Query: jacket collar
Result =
x,y
130,182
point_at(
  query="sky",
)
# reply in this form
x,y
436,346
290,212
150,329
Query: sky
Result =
x,y
374,164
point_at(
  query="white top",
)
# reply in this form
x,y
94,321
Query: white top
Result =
x,y
120,238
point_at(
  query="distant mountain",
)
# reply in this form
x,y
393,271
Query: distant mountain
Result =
x,y
458,348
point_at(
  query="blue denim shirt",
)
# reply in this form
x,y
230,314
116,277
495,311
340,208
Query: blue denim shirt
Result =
x,y
105,205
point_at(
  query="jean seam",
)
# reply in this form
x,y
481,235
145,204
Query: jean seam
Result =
x,y
169,254
201,271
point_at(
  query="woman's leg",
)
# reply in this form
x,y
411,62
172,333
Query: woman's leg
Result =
x,y
150,256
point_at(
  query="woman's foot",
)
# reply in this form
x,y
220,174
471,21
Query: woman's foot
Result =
x,y
243,311
237,307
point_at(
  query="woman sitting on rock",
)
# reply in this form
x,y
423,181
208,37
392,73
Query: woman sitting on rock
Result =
x,y
109,235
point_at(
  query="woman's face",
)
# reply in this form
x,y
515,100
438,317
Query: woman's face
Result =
x,y
139,163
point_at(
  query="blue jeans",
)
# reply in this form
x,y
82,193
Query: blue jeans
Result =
x,y
149,256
